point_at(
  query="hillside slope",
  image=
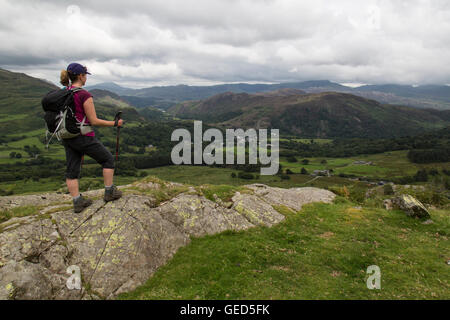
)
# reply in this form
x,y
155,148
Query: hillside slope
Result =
x,y
319,115
21,110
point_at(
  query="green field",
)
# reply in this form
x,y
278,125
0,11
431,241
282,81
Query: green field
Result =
x,y
386,165
319,141
10,117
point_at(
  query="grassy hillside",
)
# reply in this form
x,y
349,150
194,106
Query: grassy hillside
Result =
x,y
319,252
20,104
321,115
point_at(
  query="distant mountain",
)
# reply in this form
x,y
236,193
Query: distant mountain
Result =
x,y
109,99
429,96
164,97
184,92
110,86
428,91
280,93
99,93
316,115
143,102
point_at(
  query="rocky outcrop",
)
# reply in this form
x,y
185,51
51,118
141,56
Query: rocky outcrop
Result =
x,y
118,245
411,206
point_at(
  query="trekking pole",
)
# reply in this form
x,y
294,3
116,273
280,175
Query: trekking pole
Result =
x,y
116,119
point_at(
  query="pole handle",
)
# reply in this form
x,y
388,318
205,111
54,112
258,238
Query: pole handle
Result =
x,y
117,118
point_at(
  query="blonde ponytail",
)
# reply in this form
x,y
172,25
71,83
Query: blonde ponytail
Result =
x,y
64,78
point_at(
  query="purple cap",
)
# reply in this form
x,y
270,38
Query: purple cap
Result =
x,y
76,68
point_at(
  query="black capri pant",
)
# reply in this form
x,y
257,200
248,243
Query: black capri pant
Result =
x,y
80,145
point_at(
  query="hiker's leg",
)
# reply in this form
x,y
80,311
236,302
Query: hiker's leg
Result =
x,y
108,176
72,185
73,171
97,151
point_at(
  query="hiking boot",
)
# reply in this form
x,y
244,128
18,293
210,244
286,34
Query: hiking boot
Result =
x,y
81,203
112,194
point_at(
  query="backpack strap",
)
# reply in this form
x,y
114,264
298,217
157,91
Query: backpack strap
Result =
x,y
76,89
55,132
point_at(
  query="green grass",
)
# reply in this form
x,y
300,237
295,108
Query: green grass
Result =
x,y
162,193
386,165
321,252
10,117
52,184
223,192
18,212
319,141
28,141
199,175
195,175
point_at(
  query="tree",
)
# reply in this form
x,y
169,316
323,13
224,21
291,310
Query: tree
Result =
x,y
323,161
12,155
291,159
245,175
304,171
18,155
305,161
421,176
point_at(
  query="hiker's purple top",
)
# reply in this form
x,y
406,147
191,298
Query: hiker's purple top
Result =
x,y
79,98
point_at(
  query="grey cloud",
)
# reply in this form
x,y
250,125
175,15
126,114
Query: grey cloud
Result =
x,y
211,41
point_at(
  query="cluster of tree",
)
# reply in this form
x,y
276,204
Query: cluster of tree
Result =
x,y
44,167
32,151
16,155
437,141
421,175
35,168
6,139
429,156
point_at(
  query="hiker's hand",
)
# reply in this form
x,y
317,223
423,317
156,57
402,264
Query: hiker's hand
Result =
x,y
120,123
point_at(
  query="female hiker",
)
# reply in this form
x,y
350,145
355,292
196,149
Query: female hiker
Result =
x,y
75,76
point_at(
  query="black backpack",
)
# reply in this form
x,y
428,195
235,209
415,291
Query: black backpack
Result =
x,y
59,115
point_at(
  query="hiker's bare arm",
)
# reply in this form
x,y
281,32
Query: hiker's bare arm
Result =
x,y
89,109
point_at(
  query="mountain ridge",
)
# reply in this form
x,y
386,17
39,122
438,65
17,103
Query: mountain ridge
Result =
x,y
315,115
425,96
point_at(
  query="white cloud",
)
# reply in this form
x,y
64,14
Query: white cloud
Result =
x,y
158,42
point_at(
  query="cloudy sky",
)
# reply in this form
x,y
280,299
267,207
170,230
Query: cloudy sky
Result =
x,y
202,42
